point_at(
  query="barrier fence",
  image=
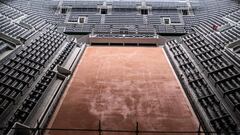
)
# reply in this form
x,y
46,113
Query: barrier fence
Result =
x,y
40,131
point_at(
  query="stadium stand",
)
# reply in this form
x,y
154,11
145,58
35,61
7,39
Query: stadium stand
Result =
x,y
27,106
218,117
44,51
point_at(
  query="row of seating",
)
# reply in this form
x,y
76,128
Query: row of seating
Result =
x,y
234,16
209,13
91,19
170,29
143,29
63,55
79,28
19,71
11,29
36,7
225,37
10,12
124,11
123,19
217,116
163,11
14,23
86,11
157,19
36,21
27,106
206,26
119,28
102,28
126,4
167,4
82,4
223,73
126,35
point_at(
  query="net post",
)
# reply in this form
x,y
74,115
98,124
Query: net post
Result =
x,y
137,130
99,127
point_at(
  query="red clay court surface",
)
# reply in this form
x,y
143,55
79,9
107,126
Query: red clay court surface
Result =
x,y
122,85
